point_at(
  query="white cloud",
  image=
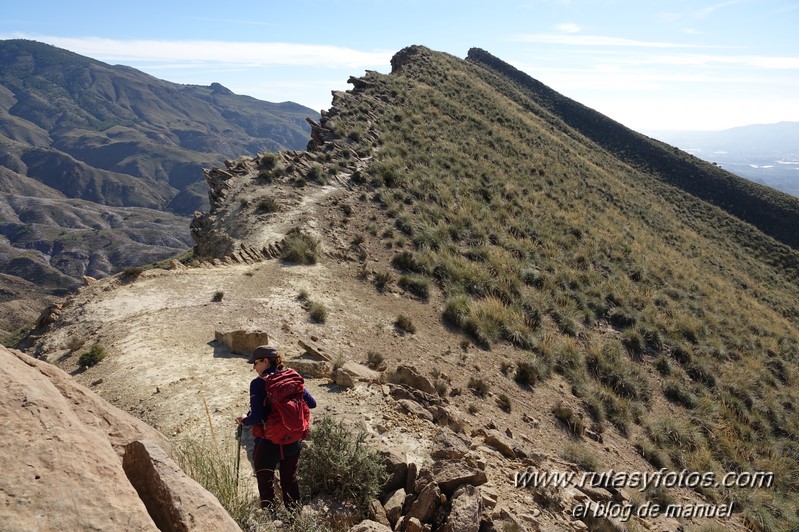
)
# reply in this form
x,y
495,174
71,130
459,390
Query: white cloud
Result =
x,y
756,61
596,40
203,53
707,11
568,27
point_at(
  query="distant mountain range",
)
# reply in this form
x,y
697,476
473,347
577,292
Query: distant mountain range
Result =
x,y
101,165
764,153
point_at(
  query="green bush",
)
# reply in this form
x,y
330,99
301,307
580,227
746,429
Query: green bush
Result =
x,y
456,311
677,393
404,323
478,386
92,356
503,401
299,248
532,372
317,312
382,280
374,359
339,463
568,417
418,286
267,206
580,455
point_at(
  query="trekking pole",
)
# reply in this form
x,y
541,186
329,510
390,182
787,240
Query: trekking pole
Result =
x,y
238,453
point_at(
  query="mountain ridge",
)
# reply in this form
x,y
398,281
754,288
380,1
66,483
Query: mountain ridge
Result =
x,y
772,212
597,315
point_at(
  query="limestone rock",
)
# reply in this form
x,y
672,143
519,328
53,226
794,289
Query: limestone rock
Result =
x,y
408,375
415,409
242,341
466,509
498,441
397,472
310,369
413,524
370,526
451,475
449,446
402,391
393,506
173,499
378,513
313,352
426,504
352,372
63,472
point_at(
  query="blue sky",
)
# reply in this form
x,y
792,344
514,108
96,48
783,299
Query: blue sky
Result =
x,y
679,64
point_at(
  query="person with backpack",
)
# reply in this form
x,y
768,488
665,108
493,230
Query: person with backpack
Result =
x,y
279,416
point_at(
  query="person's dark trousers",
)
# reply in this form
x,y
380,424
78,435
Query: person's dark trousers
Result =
x,y
266,458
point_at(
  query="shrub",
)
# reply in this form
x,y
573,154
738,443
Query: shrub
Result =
x,y
267,206
92,356
339,463
532,372
418,286
503,401
676,393
620,320
374,359
404,323
317,312
218,295
131,274
316,173
405,260
456,311
567,416
578,454
478,386
382,280
299,248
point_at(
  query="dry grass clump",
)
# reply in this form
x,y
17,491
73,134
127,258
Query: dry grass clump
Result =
x,y
299,248
569,418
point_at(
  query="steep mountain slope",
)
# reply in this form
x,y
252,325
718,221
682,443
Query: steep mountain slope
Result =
x,y
553,284
75,130
95,131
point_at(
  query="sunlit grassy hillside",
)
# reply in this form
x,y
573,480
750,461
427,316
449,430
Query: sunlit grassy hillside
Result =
x,y
603,271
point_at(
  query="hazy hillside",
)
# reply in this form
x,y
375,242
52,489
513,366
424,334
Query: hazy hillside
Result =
x,y
73,128
117,136
603,299
764,153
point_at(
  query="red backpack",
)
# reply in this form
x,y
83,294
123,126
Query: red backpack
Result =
x,y
289,417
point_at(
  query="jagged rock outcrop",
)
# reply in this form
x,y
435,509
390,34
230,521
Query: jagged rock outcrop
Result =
x,y
62,453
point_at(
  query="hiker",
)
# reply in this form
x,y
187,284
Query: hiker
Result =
x,y
267,423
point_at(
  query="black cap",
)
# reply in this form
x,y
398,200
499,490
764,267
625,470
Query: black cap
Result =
x,y
262,351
